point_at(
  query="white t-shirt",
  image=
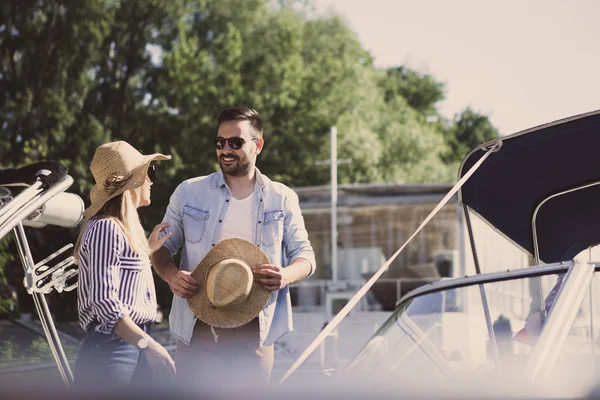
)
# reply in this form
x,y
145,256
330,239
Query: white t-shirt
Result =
x,y
237,222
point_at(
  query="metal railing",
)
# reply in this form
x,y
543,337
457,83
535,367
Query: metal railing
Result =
x,y
311,295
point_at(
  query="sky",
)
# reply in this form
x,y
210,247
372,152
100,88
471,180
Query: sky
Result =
x,y
521,62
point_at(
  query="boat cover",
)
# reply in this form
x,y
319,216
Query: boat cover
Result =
x,y
531,166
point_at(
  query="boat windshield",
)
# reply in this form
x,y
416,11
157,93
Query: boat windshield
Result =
x,y
460,331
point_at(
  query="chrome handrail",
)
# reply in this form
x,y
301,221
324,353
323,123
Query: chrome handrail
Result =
x,y
563,313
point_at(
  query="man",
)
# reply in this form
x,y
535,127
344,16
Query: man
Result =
x,y
237,202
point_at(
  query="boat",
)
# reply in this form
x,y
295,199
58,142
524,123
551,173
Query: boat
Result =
x,y
534,328
35,196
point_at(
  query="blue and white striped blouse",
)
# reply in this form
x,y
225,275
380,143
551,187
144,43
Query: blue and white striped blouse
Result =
x,y
113,280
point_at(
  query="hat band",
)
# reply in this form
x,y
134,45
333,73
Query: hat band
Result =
x,y
226,308
114,183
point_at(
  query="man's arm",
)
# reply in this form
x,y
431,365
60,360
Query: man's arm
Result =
x,y
297,271
181,282
297,248
296,245
272,277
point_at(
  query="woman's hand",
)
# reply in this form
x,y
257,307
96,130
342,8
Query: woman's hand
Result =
x,y
159,360
154,241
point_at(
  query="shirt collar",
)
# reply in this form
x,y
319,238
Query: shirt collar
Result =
x,y
219,180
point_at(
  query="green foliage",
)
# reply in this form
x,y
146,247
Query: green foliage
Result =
x,y
469,129
414,150
76,74
421,91
8,304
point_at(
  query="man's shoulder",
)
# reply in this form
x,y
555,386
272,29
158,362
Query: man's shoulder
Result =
x,y
198,181
278,187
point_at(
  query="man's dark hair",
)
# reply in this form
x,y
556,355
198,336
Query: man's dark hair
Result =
x,y
242,114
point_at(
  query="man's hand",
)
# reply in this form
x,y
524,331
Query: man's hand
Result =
x,y
270,276
183,284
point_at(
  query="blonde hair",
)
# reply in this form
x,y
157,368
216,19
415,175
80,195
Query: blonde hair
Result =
x,y
123,211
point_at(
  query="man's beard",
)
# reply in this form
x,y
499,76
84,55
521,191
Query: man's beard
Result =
x,y
239,168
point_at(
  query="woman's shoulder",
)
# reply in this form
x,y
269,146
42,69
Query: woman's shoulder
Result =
x,y
104,227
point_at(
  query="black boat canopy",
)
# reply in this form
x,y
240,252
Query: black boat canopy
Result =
x,y
530,167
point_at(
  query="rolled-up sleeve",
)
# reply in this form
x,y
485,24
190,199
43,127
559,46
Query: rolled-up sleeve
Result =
x,y
174,217
106,244
295,236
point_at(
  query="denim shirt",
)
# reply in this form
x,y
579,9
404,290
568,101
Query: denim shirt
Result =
x,y
194,212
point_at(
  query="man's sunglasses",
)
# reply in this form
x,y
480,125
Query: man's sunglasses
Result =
x,y
152,172
235,143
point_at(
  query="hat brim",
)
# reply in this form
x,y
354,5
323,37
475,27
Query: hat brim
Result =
x,y
138,176
240,249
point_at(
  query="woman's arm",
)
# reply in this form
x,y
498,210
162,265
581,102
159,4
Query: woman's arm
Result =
x,y
156,355
106,242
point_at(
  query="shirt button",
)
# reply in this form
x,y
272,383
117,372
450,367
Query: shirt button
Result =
x,y
213,245
220,220
260,222
227,201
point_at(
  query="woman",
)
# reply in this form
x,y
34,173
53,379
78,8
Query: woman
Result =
x,y
116,294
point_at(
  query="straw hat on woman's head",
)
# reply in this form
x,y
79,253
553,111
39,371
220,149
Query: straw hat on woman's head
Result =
x,y
117,167
229,297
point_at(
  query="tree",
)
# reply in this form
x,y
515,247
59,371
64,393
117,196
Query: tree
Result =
x,y
468,130
47,49
421,91
413,149
76,74
70,76
301,78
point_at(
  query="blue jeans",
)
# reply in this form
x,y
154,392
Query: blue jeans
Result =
x,y
107,360
234,358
